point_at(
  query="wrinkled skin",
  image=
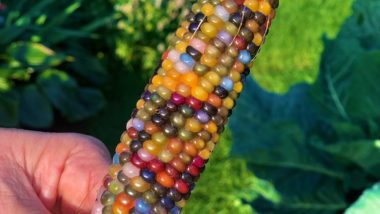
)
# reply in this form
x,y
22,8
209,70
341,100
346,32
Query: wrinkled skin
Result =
x,y
49,173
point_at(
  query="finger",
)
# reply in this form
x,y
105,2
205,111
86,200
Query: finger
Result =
x,y
83,174
16,194
65,170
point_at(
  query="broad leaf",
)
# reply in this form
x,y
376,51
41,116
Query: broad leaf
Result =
x,y
331,89
363,99
34,54
9,103
369,202
8,34
349,68
301,192
364,24
35,109
317,144
74,103
9,73
89,67
274,143
364,153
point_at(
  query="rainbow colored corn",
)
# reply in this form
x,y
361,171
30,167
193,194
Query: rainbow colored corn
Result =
x,y
183,110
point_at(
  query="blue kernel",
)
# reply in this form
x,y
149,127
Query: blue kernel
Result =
x,y
167,202
227,84
148,175
142,206
187,59
244,57
175,210
116,159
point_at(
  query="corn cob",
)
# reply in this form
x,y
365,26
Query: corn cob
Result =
x,y
183,110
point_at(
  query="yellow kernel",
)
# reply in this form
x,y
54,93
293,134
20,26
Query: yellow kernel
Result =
x,y
228,103
190,78
152,88
209,30
165,156
258,39
218,22
230,28
211,145
238,87
252,5
161,72
213,51
204,154
167,65
234,76
202,36
152,147
199,143
173,74
265,8
139,184
181,32
125,138
170,83
215,137
164,92
140,104
113,170
207,9
252,25
193,125
199,93
183,90
213,78
187,36
206,85
181,203
157,80
196,8
181,46
209,60
185,25
211,127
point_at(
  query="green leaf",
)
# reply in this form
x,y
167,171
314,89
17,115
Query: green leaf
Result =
x,y
346,77
60,18
274,143
73,102
36,9
364,24
364,153
62,34
316,144
9,103
301,192
331,89
89,67
369,202
35,109
9,73
8,34
35,54
363,99
349,67
4,83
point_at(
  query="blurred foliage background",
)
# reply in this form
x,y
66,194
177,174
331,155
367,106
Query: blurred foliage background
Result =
x,y
311,107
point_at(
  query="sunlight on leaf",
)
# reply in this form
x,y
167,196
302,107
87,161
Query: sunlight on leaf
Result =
x,y
4,84
369,202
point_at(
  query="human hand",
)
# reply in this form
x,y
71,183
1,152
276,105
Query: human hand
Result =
x,y
49,173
